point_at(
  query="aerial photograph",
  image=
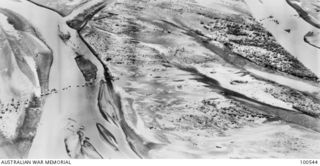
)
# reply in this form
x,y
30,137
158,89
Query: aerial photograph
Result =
x,y
159,79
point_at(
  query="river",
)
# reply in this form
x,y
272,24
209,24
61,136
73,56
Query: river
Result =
x,y
75,104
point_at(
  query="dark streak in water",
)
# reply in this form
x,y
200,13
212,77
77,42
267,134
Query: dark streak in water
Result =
x,y
87,68
81,147
139,144
43,6
90,151
310,34
81,20
106,107
304,15
108,136
133,148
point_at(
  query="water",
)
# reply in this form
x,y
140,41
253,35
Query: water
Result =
x,y
78,103
70,109
293,41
